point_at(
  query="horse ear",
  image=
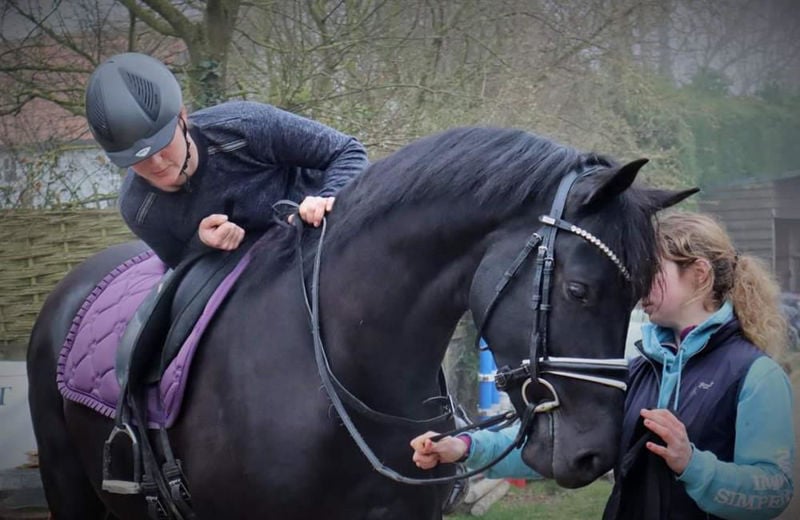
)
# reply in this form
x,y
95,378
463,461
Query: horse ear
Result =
x,y
611,182
663,199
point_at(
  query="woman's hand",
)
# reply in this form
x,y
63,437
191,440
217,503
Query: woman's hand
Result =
x,y
428,454
312,209
678,449
217,232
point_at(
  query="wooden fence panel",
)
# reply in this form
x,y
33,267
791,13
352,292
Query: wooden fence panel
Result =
x,y
38,249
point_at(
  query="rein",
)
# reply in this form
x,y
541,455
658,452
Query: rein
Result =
x,y
333,387
528,376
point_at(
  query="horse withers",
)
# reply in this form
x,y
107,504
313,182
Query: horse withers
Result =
x,y
422,236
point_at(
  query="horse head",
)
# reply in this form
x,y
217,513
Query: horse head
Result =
x,y
552,296
550,249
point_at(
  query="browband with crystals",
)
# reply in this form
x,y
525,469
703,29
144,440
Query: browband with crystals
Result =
x,y
560,224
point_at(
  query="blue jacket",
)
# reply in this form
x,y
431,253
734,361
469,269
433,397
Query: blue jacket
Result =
x,y
739,419
250,156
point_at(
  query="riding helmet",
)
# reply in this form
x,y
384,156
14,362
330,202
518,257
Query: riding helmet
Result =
x,y
132,104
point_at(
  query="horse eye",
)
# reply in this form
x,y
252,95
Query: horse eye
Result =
x,y
578,291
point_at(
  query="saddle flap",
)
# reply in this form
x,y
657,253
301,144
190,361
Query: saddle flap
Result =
x,y
193,293
145,332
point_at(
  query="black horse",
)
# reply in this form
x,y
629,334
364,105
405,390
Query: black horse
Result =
x,y
422,236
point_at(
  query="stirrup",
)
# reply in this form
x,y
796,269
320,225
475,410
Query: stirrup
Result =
x,y
120,486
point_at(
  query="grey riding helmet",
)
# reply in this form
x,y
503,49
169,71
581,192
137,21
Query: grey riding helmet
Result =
x,y
132,105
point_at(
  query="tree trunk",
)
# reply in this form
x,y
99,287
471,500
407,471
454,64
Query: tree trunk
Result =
x,y
664,49
208,52
461,366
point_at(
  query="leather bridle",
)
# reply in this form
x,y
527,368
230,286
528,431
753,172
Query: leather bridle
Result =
x,y
528,377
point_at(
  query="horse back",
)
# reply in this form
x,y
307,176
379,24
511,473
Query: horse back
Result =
x,y
66,485
54,319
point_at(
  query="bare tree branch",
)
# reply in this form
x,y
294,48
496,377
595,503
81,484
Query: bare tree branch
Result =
x,y
176,25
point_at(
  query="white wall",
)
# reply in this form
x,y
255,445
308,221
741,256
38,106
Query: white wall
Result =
x,y
82,176
16,432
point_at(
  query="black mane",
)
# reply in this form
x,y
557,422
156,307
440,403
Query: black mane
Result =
x,y
499,169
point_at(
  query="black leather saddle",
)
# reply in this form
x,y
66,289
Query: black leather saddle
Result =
x,y
168,314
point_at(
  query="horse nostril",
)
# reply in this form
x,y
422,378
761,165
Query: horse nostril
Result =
x,y
587,461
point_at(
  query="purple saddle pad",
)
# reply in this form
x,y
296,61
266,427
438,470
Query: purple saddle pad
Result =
x,y
86,363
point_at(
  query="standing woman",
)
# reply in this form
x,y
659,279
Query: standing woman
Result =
x,y
707,429
708,416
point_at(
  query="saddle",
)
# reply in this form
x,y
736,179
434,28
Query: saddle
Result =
x,y
152,339
166,317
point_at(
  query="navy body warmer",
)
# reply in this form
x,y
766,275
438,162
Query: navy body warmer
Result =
x,y
709,393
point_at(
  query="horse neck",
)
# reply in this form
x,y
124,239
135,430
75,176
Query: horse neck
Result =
x,y
392,296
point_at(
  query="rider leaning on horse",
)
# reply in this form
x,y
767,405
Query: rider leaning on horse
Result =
x,y
207,177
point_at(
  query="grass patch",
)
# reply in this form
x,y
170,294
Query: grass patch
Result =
x,y
544,500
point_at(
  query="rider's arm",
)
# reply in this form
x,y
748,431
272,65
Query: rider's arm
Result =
x,y
486,445
280,137
134,205
758,483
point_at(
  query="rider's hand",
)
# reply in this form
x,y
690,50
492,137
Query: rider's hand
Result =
x,y
312,209
217,232
428,454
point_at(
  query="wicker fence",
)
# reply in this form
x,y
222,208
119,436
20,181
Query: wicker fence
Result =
x,y
38,248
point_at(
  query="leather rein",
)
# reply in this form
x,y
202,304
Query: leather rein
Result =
x,y
528,376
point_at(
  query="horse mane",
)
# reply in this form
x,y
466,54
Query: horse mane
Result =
x,y
500,170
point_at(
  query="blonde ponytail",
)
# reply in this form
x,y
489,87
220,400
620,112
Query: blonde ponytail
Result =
x,y
685,237
755,295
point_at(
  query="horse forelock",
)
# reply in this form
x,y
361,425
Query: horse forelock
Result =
x,y
628,229
639,245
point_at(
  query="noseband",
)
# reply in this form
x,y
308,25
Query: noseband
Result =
x,y
537,392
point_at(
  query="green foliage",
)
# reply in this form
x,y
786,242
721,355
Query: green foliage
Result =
x,y
704,135
710,81
205,81
736,137
776,94
654,121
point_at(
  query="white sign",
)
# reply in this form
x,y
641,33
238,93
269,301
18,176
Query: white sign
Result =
x,y
16,431
638,318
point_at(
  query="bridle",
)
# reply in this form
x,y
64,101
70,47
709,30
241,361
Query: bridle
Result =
x,y
528,376
538,394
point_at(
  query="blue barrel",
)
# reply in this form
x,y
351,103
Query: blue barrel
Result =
x,y
487,391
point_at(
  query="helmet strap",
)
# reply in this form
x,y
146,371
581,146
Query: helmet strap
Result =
x,y
186,185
